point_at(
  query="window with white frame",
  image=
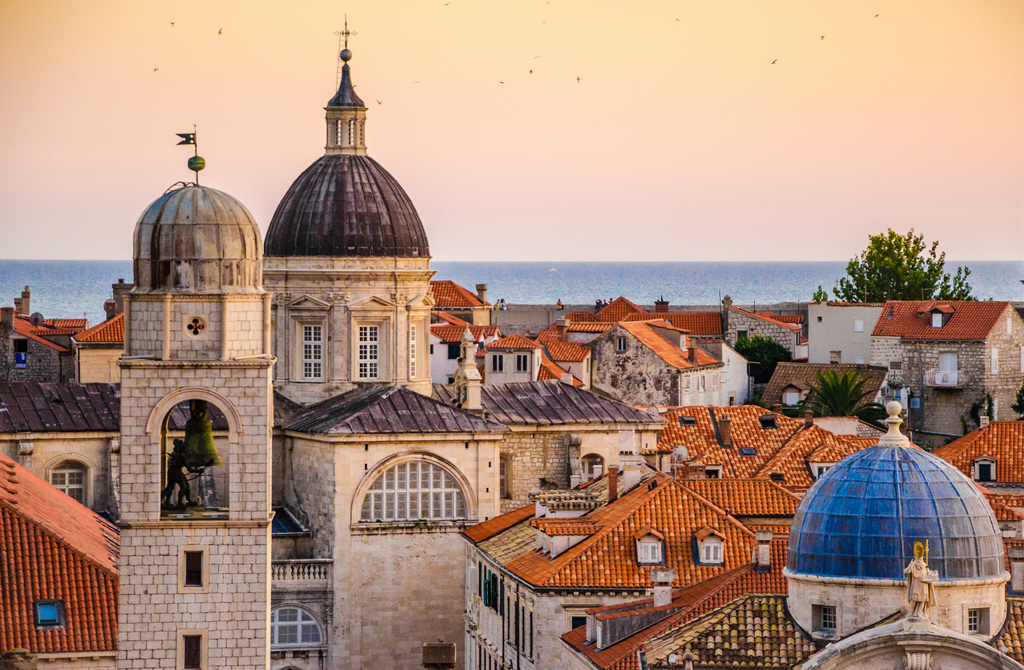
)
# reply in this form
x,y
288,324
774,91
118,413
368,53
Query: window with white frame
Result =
x,y
369,351
824,618
498,363
649,551
936,319
504,474
339,133
701,383
312,351
858,325
791,398
412,491
711,550
977,621
522,363
821,469
293,626
69,478
948,362
412,350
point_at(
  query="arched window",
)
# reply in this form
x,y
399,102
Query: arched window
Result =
x,y
414,490
69,477
292,626
593,466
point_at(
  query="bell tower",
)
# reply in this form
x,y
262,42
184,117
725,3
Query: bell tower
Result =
x,y
196,416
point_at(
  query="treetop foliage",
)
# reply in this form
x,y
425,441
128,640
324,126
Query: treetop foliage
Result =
x,y
901,267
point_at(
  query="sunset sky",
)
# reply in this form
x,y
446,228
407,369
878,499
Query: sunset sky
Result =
x,y
687,130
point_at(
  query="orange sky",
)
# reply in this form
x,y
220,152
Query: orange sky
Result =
x,y
681,140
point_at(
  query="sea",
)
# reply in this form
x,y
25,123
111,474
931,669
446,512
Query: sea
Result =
x,y
78,288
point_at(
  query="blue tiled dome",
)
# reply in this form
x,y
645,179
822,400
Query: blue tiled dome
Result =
x,y
862,518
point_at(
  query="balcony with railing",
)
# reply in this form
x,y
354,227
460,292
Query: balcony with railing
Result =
x,y
310,573
945,379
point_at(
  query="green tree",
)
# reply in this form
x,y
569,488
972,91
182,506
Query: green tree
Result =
x,y
819,295
766,352
842,393
901,267
1018,406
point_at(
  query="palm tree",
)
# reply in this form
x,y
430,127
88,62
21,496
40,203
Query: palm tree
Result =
x,y
842,393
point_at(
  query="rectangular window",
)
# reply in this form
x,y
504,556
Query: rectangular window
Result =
x,y
369,351
977,621
49,613
503,466
522,363
835,356
824,618
193,568
620,344
412,351
947,362
972,621
497,363
454,351
995,361
20,353
577,620
936,319
711,552
858,325
192,652
791,398
312,352
71,481
648,552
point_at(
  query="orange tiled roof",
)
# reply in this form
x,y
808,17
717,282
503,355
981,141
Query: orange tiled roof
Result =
x,y
617,310
702,324
566,352
580,316
487,529
1012,635
23,327
53,548
565,526
111,330
912,320
514,341
607,559
784,318
453,334
449,294
807,445
550,371
665,350
451,319
72,324
770,319
1002,441
745,497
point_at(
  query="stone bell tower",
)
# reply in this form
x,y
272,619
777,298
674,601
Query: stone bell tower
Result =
x,y
196,415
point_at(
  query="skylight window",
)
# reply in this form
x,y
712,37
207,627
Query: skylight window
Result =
x,y
687,421
49,613
748,451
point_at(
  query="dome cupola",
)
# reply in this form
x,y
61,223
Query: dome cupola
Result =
x,y
197,240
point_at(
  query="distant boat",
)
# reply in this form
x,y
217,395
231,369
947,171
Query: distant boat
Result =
x,y
552,269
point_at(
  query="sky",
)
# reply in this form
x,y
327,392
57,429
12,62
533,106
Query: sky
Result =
x,y
535,130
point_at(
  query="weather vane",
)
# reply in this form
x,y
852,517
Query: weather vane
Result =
x,y
196,162
344,54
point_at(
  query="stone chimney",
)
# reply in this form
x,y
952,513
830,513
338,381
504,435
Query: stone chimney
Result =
x,y
566,378
7,316
562,328
613,483
725,429
983,421
118,290
26,299
110,308
632,469
481,292
661,305
661,580
726,304
764,550
693,355
808,418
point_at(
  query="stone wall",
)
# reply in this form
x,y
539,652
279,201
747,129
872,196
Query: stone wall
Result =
x,y
43,452
43,363
755,326
1006,343
304,481
636,376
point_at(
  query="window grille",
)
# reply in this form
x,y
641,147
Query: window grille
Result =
x,y
412,491
291,626
69,479
369,351
312,352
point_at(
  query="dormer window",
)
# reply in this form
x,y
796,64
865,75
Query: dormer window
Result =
x,y
936,319
767,421
985,469
713,471
650,546
687,420
710,546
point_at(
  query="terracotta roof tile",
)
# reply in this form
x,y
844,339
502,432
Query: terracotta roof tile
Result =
x,y
702,324
514,341
802,375
617,310
23,327
111,330
910,319
51,547
450,319
810,445
453,334
449,294
769,319
566,352
1012,635
488,529
1002,441
665,350
550,371
746,497
580,316
784,318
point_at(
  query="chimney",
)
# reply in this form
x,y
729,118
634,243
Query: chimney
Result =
x,y
693,355
808,418
481,292
613,483
725,428
118,290
661,305
467,377
764,550
632,469
7,316
110,308
26,298
983,421
562,328
726,304
566,378
661,580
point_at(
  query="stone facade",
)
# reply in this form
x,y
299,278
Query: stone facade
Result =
x,y
43,363
340,295
737,322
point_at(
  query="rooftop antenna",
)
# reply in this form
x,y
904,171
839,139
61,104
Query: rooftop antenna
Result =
x,y
196,162
342,47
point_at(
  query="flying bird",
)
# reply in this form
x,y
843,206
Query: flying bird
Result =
x,y
220,32
822,37
531,71
775,61
577,80
172,24
379,102
876,16
536,57
155,69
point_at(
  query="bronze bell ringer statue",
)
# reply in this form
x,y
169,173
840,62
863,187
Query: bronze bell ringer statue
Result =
x,y
190,456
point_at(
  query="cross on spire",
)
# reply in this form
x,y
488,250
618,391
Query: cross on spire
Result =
x,y
343,34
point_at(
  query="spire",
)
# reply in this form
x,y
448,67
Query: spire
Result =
x,y
346,113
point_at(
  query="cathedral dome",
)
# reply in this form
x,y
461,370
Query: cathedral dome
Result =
x,y
862,518
196,239
346,205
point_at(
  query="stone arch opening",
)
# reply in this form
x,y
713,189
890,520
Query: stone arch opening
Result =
x,y
593,466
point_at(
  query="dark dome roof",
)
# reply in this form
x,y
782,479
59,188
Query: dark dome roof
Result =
x,y
346,205
197,240
862,518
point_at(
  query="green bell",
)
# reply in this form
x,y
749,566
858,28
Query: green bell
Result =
x,y
200,451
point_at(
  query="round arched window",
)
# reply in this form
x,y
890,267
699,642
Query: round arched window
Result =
x,y
412,491
69,477
291,626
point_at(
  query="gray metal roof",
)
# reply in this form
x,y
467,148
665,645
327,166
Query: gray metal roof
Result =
x,y
548,403
40,407
346,95
387,409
